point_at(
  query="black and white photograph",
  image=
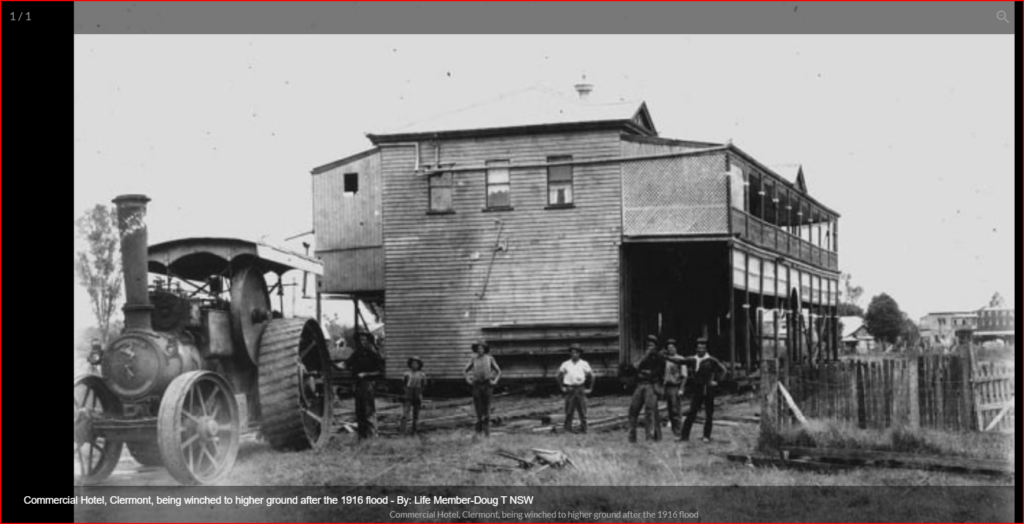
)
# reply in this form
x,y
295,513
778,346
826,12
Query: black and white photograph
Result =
x,y
547,261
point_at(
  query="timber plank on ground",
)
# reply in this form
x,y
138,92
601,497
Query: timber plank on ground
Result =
x,y
904,460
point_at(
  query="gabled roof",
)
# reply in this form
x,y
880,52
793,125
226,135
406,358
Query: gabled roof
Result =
x,y
527,110
850,325
793,173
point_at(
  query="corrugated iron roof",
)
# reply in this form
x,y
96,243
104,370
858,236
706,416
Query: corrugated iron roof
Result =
x,y
532,106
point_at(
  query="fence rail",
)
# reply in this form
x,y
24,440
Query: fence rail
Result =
x,y
949,392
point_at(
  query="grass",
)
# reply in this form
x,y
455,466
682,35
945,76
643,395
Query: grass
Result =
x,y
841,435
444,458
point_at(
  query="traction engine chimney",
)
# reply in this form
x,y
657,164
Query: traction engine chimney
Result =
x,y
131,221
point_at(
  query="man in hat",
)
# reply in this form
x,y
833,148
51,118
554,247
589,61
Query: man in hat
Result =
x,y
650,375
365,364
482,373
707,372
576,380
415,381
675,382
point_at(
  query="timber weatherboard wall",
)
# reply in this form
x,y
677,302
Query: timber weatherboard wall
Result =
x,y
560,265
347,228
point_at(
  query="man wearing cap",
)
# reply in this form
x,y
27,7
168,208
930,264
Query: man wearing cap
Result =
x,y
574,377
650,375
415,381
482,373
675,381
365,364
707,371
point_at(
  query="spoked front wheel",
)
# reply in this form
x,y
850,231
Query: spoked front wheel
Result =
x,y
95,455
198,428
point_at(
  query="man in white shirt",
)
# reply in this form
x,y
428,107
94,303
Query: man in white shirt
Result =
x,y
576,380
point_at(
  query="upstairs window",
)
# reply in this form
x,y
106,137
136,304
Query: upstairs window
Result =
x,y
499,187
351,183
559,182
440,193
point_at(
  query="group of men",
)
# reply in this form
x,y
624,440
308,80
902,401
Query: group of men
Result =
x,y
366,364
661,373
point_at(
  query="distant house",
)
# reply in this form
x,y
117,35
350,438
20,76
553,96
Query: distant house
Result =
x,y
538,220
855,336
947,328
996,322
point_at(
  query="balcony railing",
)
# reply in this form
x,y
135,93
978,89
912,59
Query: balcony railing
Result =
x,y
765,235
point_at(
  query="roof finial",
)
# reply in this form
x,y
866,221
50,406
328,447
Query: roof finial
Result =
x,y
583,88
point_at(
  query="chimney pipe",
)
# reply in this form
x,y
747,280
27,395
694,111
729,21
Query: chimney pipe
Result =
x,y
584,89
131,221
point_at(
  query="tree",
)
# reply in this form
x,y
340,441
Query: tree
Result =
x,y
846,309
910,335
884,319
98,266
851,293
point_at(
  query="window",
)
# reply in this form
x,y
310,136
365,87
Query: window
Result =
x,y
499,188
739,270
440,193
559,182
351,183
754,271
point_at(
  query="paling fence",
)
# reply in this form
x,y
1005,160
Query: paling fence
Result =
x,y
951,392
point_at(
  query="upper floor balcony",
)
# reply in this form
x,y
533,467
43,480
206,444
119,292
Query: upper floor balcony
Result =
x,y
724,192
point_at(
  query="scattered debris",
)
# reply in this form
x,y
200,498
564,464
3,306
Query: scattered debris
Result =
x,y
553,458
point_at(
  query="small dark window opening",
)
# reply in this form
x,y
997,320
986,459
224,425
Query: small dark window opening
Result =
x,y
352,183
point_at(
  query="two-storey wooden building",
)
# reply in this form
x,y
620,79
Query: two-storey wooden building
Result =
x,y
539,220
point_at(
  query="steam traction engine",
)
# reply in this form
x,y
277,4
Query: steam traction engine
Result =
x,y
172,383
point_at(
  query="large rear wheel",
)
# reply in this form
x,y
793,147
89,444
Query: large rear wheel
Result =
x,y
198,428
294,391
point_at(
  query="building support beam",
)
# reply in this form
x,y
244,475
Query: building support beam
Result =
x,y
732,307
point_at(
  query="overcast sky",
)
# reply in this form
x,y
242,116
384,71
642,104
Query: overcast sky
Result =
x,y
910,138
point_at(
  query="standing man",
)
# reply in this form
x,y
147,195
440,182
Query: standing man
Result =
x,y
675,381
574,377
482,373
366,364
707,372
415,381
650,373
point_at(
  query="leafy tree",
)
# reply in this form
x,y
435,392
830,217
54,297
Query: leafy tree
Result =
x,y
850,310
910,335
98,266
884,319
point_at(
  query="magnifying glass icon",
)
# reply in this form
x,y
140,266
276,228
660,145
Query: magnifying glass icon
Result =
x,y
1001,15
